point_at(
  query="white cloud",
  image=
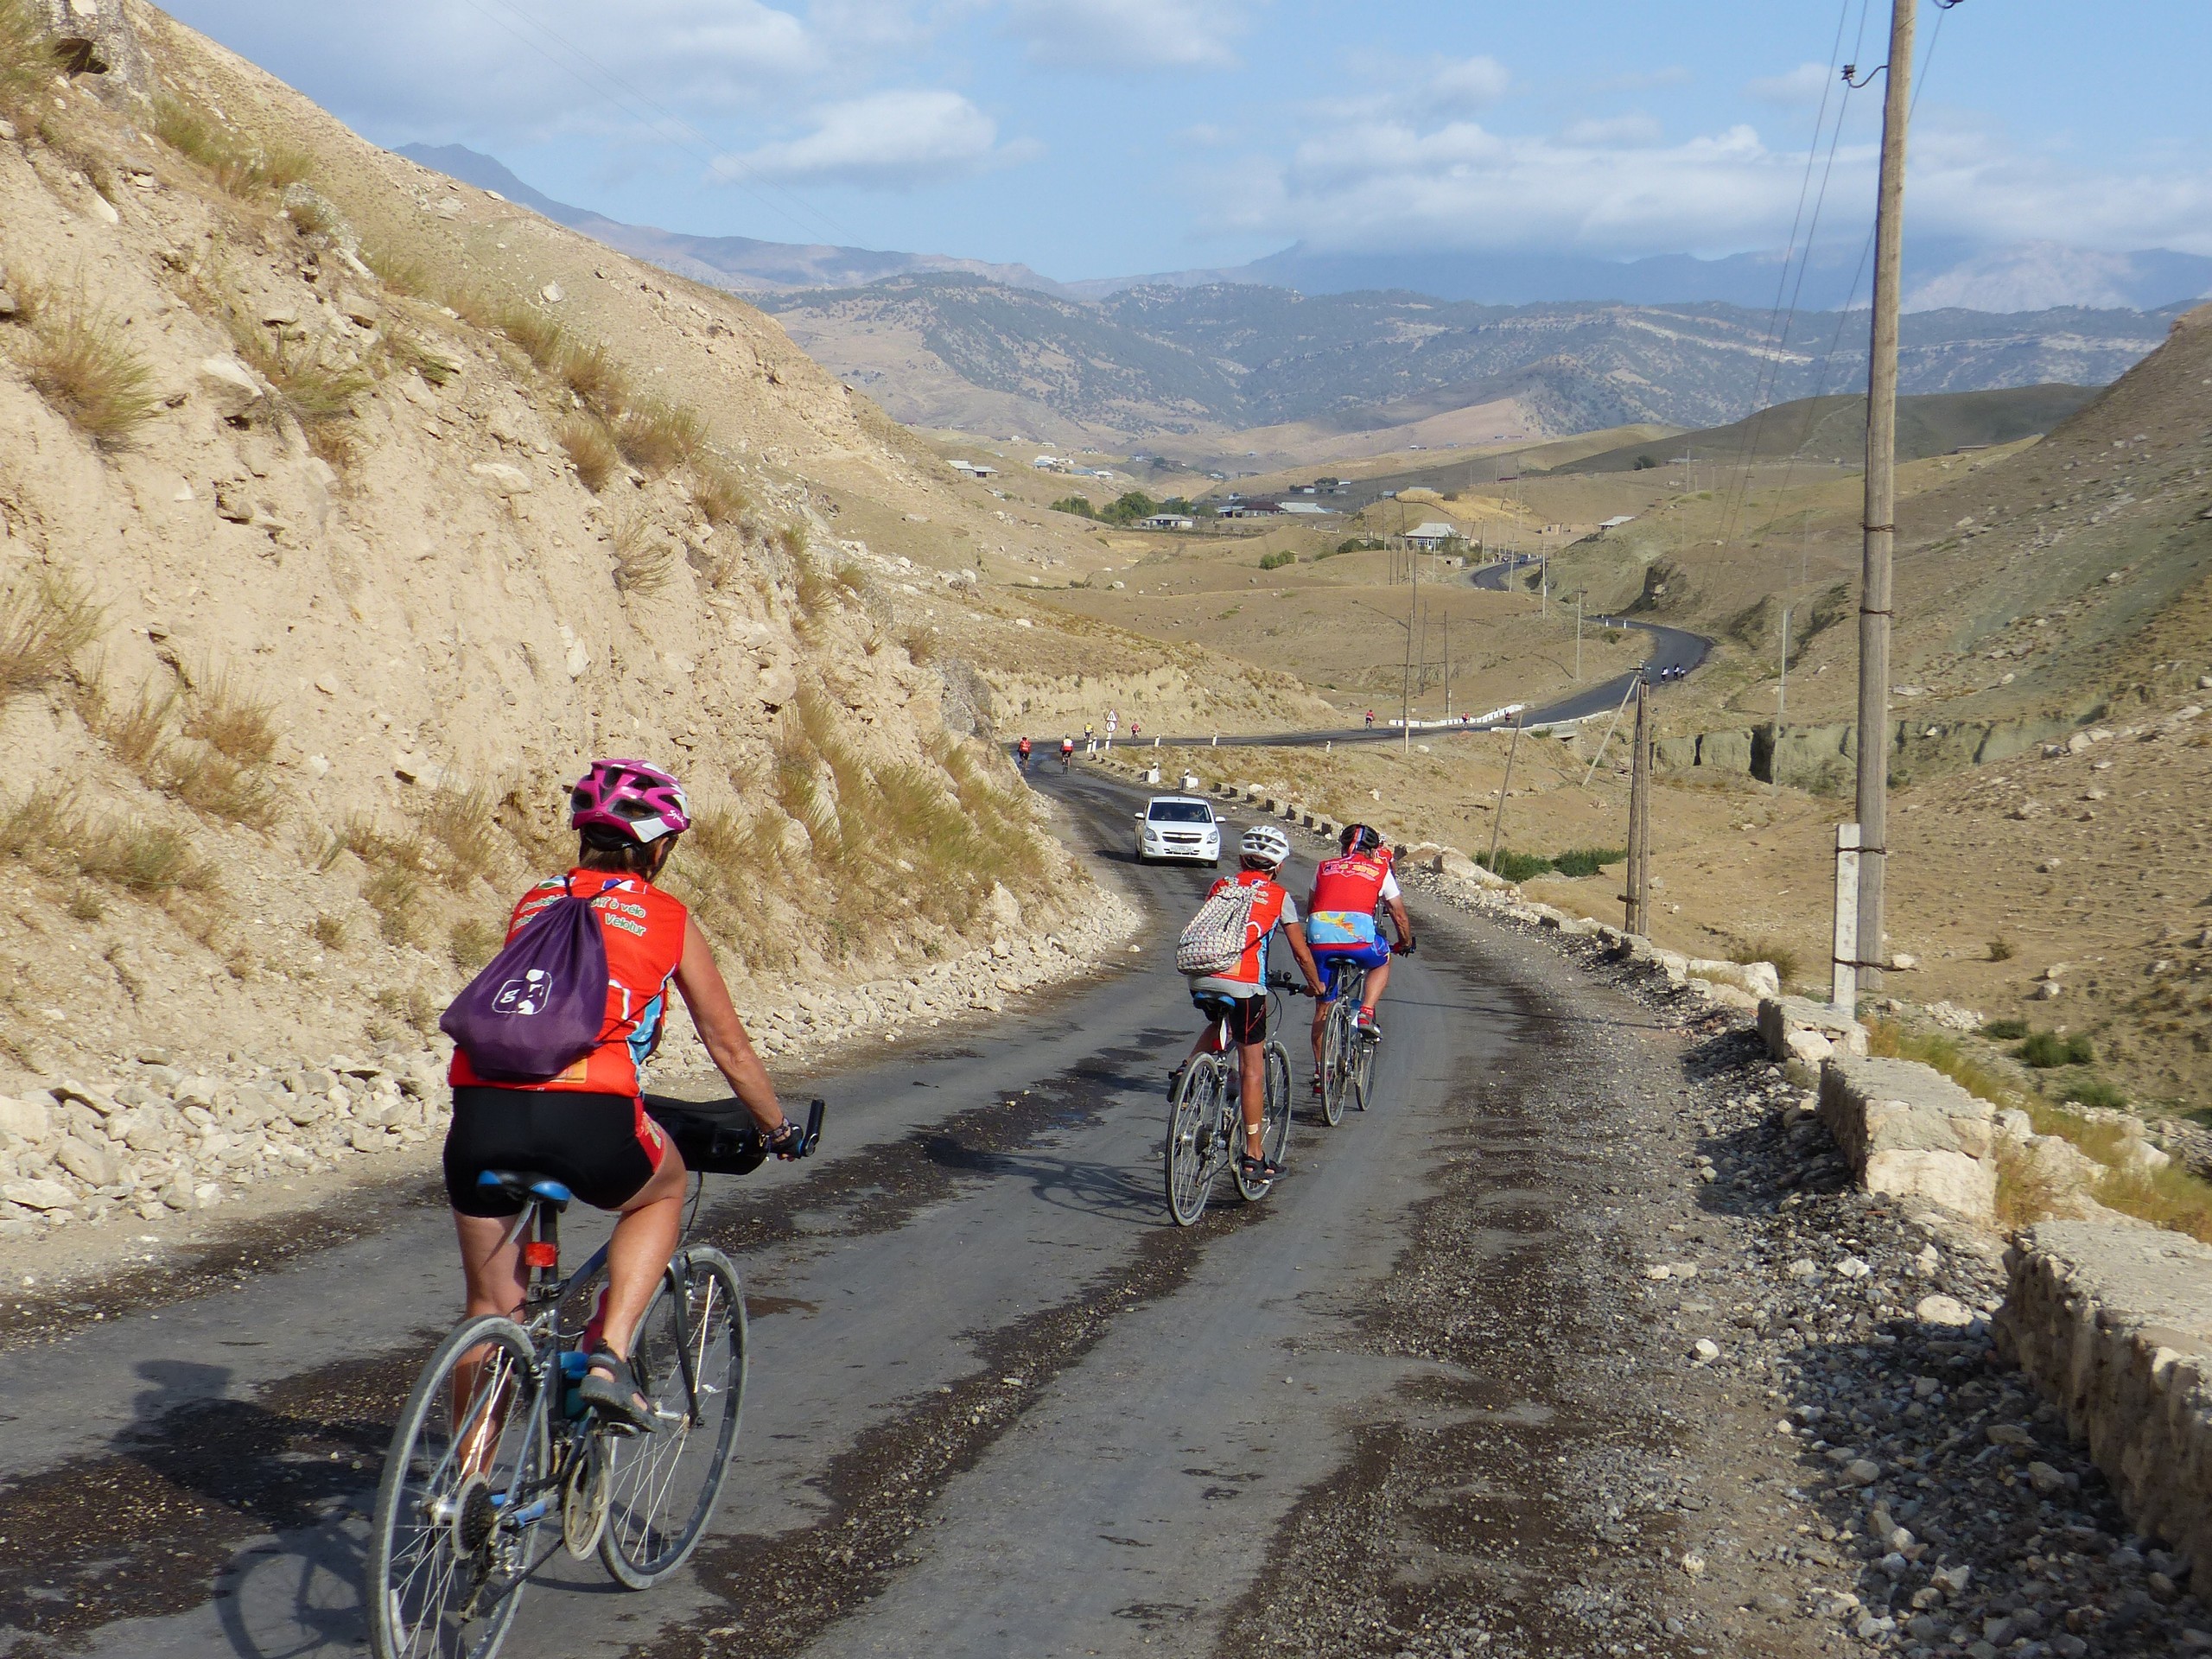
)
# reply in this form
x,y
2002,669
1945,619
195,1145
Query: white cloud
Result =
x,y
517,69
1802,85
1625,129
1129,33
883,140
1471,83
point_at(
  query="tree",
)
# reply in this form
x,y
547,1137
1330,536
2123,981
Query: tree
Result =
x,y
1078,505
1128,509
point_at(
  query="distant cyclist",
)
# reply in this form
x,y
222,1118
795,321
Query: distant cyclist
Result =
x,y
1341,928
1024,748
1260,854
1370,720
1067,753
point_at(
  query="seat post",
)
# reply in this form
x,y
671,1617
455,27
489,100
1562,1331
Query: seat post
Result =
x,y
542,1253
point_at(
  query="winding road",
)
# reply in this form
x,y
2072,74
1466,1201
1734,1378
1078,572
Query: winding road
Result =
x,y
998,1405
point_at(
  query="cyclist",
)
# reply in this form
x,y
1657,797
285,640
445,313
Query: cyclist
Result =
x,y
1370,720
1259,855
587,1127
1024,747
1067,753
1340,926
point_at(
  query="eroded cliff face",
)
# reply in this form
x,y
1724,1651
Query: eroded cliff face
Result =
x,y
344,513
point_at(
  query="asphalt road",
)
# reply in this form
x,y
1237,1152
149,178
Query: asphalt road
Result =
x,y
998,1405
1671,648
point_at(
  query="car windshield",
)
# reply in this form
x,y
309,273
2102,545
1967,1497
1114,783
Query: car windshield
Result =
x,y
1181,813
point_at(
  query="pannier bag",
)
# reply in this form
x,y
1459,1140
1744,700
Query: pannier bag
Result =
x,y
539,1006
1215,939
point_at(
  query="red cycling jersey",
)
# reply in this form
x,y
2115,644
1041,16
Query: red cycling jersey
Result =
x,y
1271,906
1352,884
644,930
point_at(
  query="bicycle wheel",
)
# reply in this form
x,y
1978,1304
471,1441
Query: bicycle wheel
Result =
x,y
1362,1070
689,1354
1194,1139
446,1564
1336,1036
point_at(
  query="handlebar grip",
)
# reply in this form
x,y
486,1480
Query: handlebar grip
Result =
x,y
814,1109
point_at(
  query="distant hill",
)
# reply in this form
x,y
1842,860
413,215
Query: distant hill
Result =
x,y
739,262
955,351
1834,429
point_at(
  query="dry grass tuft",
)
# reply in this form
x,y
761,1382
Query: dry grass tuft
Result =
x,y
718,493
328,930
233,722
539,335
242,166
44,622
56,836
591,447
2025,1193
209,781
594,375
407,350
452,836
396,896
1885,1038
398,270
656,437
82,362
474,941
645,561
1768,949
412,1006
26,58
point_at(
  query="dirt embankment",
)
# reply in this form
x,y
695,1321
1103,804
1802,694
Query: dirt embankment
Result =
x,y
344,513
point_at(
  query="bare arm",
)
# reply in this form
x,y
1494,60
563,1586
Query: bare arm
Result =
x,y
1295,932
1400,921
716,1017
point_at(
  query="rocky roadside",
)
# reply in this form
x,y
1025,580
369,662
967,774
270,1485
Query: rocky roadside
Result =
x,y
152,1141
1830,1454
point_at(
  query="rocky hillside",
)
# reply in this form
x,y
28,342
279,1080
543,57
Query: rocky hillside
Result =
x,y
345,511
959,352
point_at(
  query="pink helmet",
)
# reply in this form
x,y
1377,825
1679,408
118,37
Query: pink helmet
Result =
x,y
642,802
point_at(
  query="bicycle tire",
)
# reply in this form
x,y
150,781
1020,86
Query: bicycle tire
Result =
x,y
1362,1072
1194,1160
663,1487
1335,1073
429,1579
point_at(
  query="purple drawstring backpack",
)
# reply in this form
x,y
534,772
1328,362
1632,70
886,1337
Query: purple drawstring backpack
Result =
x,y
539,1006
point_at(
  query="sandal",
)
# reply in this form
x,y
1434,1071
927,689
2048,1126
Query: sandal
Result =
x,y
618,1397
1175,1078
1317,1080
1255,1167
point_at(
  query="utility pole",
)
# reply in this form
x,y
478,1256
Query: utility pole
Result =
x,y
1504,784
1880,525
1448,666
1578,636
1780,704
1638,896
1406,683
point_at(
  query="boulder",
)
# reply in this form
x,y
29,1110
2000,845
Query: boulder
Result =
x,y
234,389
29,1119
1910,1131
93,1164
1800,1029
40,1194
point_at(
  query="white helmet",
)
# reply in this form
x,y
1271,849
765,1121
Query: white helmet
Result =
x,y
1265,841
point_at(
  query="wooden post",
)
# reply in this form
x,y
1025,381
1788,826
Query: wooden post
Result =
x,y
1880,515
1638,897
1497,818
1843,983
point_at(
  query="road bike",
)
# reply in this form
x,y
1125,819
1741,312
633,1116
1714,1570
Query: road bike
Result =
x,y
494,1441
1347,1053
1206,1115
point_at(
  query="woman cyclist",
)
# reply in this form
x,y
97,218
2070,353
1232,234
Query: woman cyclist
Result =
x,y
587,1127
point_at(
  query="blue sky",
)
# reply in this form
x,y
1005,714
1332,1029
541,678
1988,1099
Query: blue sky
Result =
x,y
1103,137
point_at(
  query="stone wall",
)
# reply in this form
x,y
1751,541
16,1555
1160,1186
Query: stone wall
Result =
x,y
2114,1325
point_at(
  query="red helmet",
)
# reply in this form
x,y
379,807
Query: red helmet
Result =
x,y
641,802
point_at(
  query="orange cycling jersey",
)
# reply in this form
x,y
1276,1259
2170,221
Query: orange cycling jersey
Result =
x,y
644,930
1271,906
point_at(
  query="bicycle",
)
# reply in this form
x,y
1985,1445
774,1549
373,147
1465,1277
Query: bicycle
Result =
x,y
1347,1056
1205,1118
493,1440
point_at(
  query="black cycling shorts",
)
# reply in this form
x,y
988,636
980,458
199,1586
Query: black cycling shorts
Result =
x,y
602,1148
1248,1015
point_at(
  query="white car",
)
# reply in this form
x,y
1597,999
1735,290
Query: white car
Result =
x,y
1179,826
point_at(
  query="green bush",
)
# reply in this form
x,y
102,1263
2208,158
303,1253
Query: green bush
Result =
x,y
1350,545
1587,861
1128,508
2005,1031
2046,1049
2093,1091
1078,505
1276,561
1515,867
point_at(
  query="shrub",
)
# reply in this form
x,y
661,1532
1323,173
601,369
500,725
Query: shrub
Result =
x,y
593,376
2046,1049
2000,949
144,859
1128,507
2005,1031
328,932
209,781
1645,463
403,273
591,447
2093,1091
1276,561
396,896
1590,861
539,335
239,165
80,361
645,560
411,1005
1515,867
44,622
1078,505
137,735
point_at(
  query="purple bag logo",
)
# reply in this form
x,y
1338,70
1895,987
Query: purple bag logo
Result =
x,y
539,1006
525,996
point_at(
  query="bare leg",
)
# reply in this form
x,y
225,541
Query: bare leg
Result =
x,y
1377,977
638,1254
1252,1072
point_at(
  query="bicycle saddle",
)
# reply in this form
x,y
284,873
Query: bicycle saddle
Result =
x,y
522,1185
